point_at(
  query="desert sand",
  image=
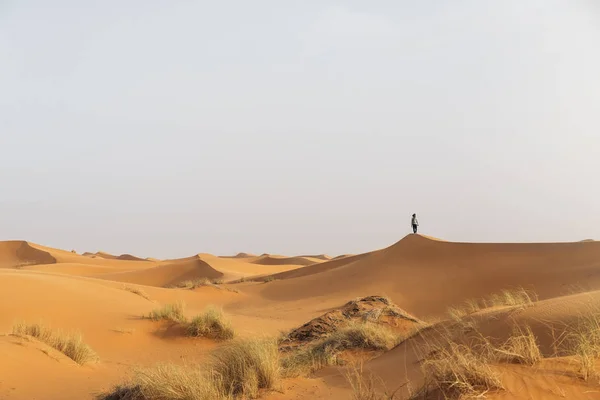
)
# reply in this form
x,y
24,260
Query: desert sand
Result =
x,y
265,295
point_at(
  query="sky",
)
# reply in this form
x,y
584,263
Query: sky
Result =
x,y
168,128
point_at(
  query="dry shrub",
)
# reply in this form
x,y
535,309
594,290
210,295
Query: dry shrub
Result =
x,y
137,291
71,345
520,348
169,312
239,369
212,324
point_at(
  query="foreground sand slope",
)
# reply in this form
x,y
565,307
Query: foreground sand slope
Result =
x,y
110,319
555,377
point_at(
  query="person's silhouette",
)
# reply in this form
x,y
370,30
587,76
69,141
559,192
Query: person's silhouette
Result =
x,y
415,223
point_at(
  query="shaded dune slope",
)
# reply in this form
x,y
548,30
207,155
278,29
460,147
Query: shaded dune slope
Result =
x,y
424,276
18,253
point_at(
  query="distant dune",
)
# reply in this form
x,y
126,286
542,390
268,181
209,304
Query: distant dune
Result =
x,y
267,259
167,274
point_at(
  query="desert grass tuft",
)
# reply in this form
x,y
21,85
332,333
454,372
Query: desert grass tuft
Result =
x,y
239,369
364,386
204,282
168,382
169,312
512,297
196,283
520,348
357,335
269,279
244,366
212,323
583,342
518,297
457,371
456,313
137,291
71,345
124,330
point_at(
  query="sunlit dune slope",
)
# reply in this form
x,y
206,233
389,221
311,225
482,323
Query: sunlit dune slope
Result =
x,y
424,276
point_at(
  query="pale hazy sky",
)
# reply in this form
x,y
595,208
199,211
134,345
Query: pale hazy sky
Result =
x,y
167,128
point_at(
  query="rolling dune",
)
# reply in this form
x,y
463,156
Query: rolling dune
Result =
x,y
424,276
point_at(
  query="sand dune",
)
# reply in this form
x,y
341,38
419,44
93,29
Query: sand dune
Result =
x,y
20,253
95,294
167,274
107,256
268,259
450,272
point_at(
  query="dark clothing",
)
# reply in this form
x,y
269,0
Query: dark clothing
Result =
x,y
414,228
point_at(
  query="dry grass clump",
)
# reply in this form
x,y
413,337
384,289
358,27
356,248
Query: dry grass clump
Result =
x,y
168,382
456,313
71,345
583,342
269,278
193,284
364,387
457,371
124,330
212,324
202,282
355,336
365,336
137,291
520,348
243,367
169,312
519,297
238,370
25,263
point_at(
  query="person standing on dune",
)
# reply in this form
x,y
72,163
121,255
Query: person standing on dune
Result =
x,y
415,223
